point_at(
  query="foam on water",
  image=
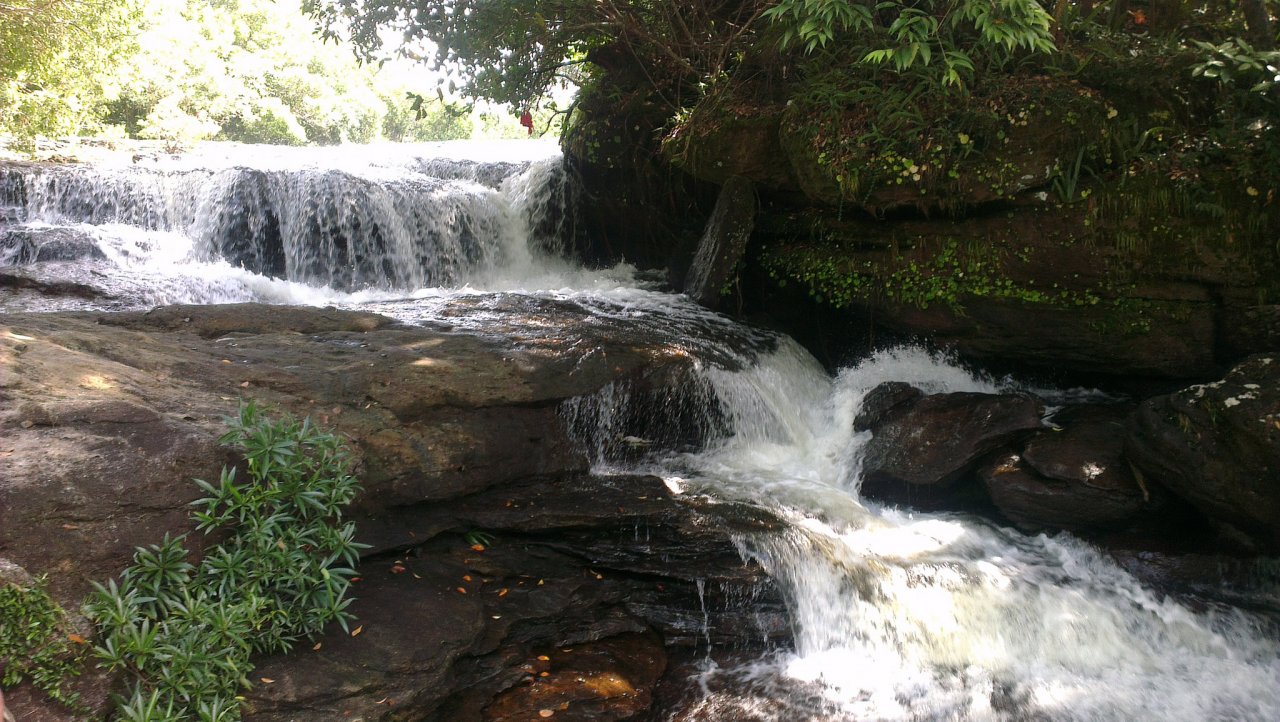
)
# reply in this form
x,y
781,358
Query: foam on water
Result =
x,y
909,616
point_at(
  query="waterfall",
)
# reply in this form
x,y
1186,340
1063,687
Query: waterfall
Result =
x,y
897,615
900,615
429,224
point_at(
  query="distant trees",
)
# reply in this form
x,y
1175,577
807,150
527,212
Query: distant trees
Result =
x,y
51,54
187,70
254,71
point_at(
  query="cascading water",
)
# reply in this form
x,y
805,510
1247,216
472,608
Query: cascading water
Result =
x,y
896,616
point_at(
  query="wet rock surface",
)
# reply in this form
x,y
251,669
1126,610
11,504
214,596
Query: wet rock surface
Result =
x,y
104,419
919,449
1217,446
1073,476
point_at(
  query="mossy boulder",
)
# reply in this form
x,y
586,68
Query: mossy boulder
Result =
x,y
725,137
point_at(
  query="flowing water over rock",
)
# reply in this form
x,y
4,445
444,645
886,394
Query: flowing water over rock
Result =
x,y
896,615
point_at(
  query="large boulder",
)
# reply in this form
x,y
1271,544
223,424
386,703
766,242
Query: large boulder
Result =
x,y
1073,476
919,452
1217,446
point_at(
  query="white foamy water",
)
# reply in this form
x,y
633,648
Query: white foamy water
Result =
x,y
910,616
897,616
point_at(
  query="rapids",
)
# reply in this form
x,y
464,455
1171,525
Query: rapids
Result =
x,y
897,615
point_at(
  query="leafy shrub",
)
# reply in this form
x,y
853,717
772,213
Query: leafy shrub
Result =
x,y
183,633
36,641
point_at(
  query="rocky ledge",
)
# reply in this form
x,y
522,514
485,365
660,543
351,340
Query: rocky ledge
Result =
x,y
588,585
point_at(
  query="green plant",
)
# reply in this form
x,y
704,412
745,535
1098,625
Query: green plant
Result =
x,y
184,632
36,641
1237,62
905,35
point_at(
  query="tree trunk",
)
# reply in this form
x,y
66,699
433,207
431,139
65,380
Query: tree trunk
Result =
x,y
1258,21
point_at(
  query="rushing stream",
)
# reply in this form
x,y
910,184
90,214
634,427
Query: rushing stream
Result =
x,y
897,615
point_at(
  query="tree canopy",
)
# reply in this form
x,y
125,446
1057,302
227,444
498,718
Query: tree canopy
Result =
x,y
51,54
186,70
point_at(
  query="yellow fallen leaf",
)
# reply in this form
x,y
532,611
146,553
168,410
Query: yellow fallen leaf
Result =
x,y
546,712
316,648
356,632
267,680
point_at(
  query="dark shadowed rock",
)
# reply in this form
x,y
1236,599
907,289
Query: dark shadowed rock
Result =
x,y
22,283
1249,330
1217,446
567,587
929,446
723,242
884,401
1072,477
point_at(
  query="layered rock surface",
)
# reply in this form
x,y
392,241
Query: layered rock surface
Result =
x,y
106,418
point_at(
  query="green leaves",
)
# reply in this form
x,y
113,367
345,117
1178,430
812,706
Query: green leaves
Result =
x,y
1236,61
184,633
906,36
812,24
36,641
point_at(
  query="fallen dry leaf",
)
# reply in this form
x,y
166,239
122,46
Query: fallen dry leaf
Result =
x,y
503,592
356,632
267,680
477,547
461,590
77,638
546,712
316,648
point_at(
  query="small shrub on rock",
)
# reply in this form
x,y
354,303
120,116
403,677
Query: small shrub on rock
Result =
x,y
182,632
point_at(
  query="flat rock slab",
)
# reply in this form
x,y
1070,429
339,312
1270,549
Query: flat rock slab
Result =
x,y
106,418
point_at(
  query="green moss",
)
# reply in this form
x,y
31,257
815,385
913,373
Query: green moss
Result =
x,y
946,273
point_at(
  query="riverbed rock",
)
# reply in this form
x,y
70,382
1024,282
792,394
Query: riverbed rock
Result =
x,y
927,446
1217,446
106,418
1072,476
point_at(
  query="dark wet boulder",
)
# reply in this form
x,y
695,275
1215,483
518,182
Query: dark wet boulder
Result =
x,y
920,452
1072,476
1217,446
883,402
